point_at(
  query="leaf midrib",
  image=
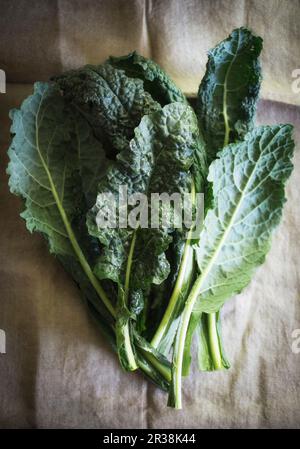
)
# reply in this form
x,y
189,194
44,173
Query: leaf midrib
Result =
x,y
76,248
231,223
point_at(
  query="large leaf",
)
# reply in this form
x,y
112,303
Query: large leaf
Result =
x,y
248,187
226,107
157,161
163,90
112,102
47,168
156,81
229,90
55,163
181,254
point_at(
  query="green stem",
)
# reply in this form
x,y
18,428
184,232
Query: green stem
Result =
x,y
132,365
86,267
129,265
153,361
214,345
151,373
159,373
174,399
180,343
162,369
180,281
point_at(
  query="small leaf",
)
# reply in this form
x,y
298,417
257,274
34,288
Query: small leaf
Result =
x,y
229,90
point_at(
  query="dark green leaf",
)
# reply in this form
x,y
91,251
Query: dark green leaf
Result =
x,y
229,90
156,81
157,160
112,103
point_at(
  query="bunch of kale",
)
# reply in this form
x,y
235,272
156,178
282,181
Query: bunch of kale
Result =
x,y
93,130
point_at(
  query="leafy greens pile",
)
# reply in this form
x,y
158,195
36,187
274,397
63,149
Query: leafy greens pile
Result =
x,y
92,130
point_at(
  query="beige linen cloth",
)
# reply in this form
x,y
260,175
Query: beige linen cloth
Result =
x,y
57,370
